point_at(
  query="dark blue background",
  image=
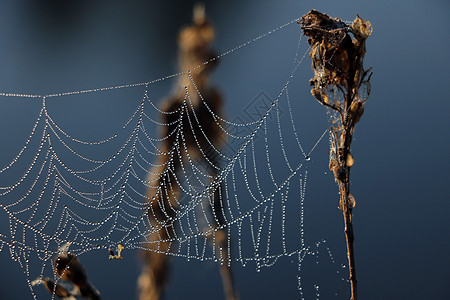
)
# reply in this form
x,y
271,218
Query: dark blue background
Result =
x,y
401,145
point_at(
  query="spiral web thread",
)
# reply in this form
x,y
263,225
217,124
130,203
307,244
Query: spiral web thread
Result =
x,y
63,193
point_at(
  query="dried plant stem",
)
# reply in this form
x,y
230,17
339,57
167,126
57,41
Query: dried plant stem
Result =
x,y
342,85
350,253
189,97
347,207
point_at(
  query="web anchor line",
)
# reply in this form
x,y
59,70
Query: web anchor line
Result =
x,y
131,85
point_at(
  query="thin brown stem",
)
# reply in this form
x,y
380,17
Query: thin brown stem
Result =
x,y
342,70
350,253
349,236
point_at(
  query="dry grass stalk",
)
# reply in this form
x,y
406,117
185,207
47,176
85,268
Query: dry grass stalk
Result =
x,y
194,50
341,84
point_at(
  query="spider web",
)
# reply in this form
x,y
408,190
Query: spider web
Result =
x,y
62,186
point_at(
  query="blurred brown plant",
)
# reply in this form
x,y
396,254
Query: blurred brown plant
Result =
x,y
55,287
69,268
341,84
192,97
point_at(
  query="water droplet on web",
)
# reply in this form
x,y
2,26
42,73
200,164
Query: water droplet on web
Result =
x,y
307,158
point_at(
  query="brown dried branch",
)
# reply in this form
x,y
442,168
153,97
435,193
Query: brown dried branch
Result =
x,y
57,288
192,89
337,62
69,269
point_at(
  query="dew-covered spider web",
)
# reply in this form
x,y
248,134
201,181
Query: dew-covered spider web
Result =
x,y
69,185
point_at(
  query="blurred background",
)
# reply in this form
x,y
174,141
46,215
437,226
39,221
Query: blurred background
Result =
x,y
401,145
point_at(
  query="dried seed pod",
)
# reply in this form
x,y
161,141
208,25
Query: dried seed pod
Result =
x,y
350,160
351,200
362,29
356,111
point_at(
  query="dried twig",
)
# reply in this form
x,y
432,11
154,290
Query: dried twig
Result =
x,y
341,84
71,271
57,288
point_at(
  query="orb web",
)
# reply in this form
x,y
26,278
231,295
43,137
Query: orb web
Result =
x,y
65,186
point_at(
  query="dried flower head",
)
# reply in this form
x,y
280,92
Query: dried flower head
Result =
x,y
337,53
